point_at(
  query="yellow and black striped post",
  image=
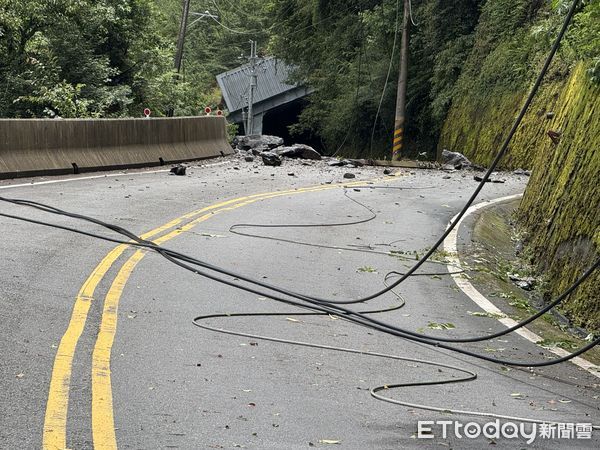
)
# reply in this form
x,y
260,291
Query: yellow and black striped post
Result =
x,y
402,83
398,140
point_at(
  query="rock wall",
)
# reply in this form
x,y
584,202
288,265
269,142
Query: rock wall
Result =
x,y
561,207
560,212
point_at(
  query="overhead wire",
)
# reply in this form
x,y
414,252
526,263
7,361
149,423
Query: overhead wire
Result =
x,y
331,307
313,303
430,252
250,32
228,28
296,31
256,18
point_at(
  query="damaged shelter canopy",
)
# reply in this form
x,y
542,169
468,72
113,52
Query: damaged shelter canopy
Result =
x,y
273,91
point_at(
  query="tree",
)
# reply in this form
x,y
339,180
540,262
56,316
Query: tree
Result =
x,y
344,50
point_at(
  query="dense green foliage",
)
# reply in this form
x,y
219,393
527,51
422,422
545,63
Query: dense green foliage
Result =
x,y
471,64
71,57
508,53
463,53
559,210
510,42
111,58
351,53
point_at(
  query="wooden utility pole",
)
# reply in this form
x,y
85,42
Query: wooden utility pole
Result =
x,y
402,82
182,32
180,44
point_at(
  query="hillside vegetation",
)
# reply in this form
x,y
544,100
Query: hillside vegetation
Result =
x,y
561,204
472,63
559,213
113,58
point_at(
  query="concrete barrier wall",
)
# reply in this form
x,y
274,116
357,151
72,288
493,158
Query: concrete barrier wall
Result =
x,y
51,146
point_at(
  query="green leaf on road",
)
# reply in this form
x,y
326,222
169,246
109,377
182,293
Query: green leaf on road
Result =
x,y
486,314
440,326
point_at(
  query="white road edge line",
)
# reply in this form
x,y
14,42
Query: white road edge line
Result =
x,y
96,177
451,247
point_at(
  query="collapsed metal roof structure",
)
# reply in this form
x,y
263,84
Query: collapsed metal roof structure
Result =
x,y
272,91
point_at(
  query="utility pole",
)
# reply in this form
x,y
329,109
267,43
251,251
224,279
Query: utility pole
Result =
x,y
183,27
253,83
180,44
402,82
182,32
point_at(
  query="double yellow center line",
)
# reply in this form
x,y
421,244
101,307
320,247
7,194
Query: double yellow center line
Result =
x,y
103,429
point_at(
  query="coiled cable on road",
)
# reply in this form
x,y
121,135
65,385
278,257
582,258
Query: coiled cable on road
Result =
x,y
335,308
324,306
238,227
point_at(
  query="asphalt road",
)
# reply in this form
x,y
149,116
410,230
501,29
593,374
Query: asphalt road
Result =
x,y
130,368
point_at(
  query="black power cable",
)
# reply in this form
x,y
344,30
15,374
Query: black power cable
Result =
x,y
431,251
236,229
469,375
334,307
184,261
471,200
322,306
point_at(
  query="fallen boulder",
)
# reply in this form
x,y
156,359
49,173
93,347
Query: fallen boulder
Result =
x,y
257,140
179,170
525,283
455,159
356,162
256,151
489,180
298,151
351,163
271,159
526,173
